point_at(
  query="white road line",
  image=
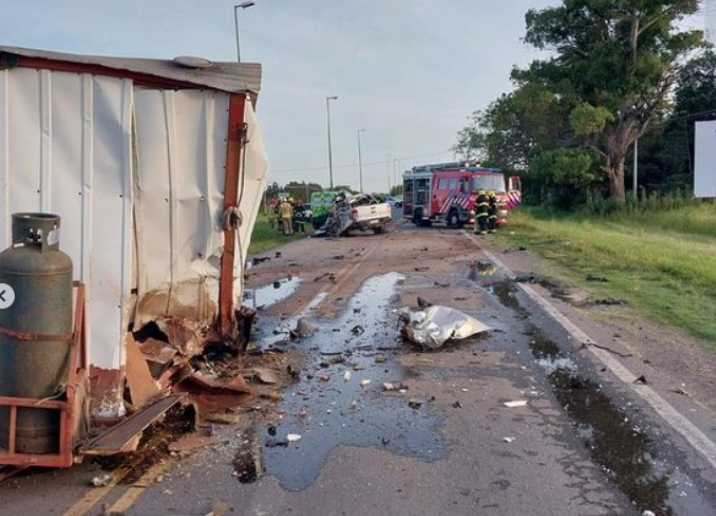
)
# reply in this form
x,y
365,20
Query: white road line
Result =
x,y
693,435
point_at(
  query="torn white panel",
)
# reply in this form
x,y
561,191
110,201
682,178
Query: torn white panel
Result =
x,y
179,201
436,325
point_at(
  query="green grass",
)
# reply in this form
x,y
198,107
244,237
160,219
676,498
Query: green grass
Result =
x,y
663,263
265,237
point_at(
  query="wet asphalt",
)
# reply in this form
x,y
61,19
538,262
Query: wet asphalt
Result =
x,y
375,425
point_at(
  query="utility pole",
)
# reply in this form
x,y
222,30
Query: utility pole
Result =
x,y
360,162
328,126
636,168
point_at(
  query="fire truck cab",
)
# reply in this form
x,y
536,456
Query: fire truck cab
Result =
x,y
446,193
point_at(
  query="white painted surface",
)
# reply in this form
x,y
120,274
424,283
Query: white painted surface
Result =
x,y
137,177
705,159
65,141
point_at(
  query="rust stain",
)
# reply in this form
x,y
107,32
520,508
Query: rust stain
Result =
x,y
104,386
189,300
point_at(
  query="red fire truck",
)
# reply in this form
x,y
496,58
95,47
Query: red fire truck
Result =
x,y
446,192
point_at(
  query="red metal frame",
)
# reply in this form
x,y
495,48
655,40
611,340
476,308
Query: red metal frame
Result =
x,y
69,407
142,79
232,175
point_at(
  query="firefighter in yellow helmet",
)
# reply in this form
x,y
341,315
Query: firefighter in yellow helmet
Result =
x,y
492,212
482,206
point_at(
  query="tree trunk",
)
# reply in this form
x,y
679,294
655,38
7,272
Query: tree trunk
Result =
x,y
615,174
618,143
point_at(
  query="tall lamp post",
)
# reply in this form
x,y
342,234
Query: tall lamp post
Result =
x,y
242,5
328,125
360,162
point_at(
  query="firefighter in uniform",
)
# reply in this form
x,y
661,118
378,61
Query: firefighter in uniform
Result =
x,y
482,207
492,212
286,210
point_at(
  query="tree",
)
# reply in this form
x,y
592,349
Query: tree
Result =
x,y
566,172
516,127
621,59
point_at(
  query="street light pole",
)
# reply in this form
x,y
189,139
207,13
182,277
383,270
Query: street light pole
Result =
x,y
242,5
360,162
328,126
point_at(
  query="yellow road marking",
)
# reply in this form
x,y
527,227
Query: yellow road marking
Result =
x,y
130,496
88,501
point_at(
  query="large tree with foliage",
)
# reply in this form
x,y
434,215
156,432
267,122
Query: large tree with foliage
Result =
x,y
516,127
621,59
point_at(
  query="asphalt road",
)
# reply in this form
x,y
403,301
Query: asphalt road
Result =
x,y
580,441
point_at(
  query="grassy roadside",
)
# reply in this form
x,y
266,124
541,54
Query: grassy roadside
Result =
x,y
264,237
663,263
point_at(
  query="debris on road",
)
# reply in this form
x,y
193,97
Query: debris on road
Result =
x,y
304,328
414,403
101,480
364,383
516,403
264,375
610,301
509,439
189,443
293,437
387,386
423,303
357,330
436,325
346,376
641,379
596,279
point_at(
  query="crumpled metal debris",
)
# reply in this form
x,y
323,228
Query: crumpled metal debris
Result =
x,y
434,326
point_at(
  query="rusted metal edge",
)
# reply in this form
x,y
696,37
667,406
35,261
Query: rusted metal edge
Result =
x,y
232,174
64,457
34,337
115,439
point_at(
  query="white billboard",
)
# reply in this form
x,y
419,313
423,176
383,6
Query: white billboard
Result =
x,y
705,159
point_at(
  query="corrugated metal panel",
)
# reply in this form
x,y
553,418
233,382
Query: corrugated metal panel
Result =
x,y
179,201
65,144
137,178
224,76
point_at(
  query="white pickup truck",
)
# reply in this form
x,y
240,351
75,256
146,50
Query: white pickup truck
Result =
x,y
357,212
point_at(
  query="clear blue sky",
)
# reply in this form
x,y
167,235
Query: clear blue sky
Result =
x,y
409,72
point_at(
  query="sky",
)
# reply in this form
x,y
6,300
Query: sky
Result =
x,y
407,72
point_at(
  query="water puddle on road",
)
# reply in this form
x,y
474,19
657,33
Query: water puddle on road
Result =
x,y
340,397
266,296
630,459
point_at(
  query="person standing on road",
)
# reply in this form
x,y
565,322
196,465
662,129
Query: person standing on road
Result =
x,y
482,206
286,210
492,212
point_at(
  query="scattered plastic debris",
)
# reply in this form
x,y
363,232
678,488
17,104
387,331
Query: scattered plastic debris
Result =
x,y
509,439
346,376
389,387
414,403
101,480
293,437
364,383
516,403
